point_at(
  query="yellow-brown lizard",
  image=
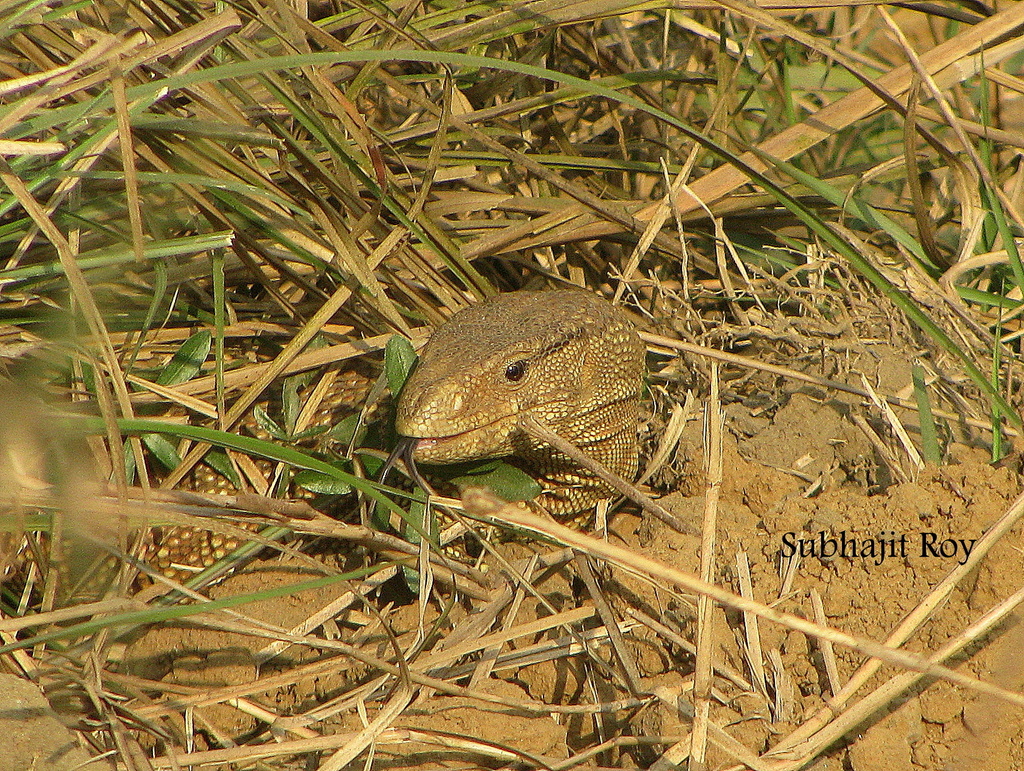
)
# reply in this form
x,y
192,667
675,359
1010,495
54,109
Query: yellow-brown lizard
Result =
x,y
568,359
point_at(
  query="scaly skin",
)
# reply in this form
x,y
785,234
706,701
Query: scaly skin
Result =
x,y
568,358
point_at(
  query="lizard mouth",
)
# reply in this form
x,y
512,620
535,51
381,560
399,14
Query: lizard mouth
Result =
x,y
413,444
430,442
407,447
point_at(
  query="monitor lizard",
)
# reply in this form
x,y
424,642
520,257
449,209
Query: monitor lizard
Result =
x,y
567,358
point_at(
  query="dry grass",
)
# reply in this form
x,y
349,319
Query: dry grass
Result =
x,y
205,205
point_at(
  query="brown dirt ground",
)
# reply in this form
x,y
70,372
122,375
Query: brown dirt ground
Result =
x,y
768,460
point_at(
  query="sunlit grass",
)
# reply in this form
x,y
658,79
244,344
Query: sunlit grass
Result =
x,y
188,199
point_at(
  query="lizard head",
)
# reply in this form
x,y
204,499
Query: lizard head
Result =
x,y
557,355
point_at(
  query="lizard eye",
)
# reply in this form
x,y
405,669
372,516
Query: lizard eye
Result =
x,y
515,371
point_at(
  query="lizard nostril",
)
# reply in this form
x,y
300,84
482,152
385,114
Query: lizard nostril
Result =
x,y
515,371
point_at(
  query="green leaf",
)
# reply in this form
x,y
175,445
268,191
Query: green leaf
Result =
x,y
995,211
188,360
321,484
504,480
418,525
264,421
380,517
219,461
309,433
997,359
371,464
163,450
989,299
344,430
929,436
399,356
129,464
290,403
